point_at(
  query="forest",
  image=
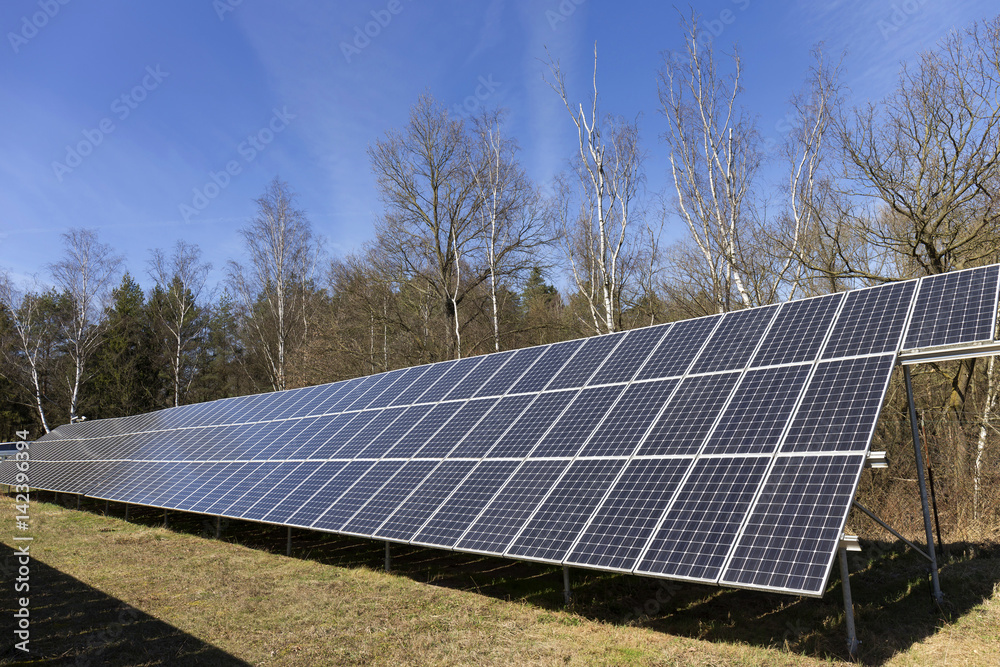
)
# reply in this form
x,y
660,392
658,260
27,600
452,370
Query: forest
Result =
x,y
470,256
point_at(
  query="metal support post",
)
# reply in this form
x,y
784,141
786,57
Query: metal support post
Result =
x,y
78,496
107,506
388,556
166,518
922,483
845,585
288,546
567,591
218,527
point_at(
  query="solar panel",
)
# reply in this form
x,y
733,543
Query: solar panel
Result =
x,y
957,307
697,531
841,405
557,521
724,449
622,525
795,526
871,320
755,417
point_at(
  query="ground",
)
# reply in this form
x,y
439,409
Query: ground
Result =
x,y
109,592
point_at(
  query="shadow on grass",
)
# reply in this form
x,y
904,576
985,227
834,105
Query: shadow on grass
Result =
x,y
75,624
892,601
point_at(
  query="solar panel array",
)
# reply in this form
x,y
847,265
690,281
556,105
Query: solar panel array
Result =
x,y
725,449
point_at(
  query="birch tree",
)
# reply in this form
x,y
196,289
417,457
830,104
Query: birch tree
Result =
x,y
28,325
430,223
274,287
510,215
609,168
714,157
180,281
86,274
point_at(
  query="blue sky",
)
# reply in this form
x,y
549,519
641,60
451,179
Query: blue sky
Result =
x,y
115,115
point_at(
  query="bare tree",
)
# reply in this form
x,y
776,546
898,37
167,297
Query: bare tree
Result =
x,y
714,157
22,307
510,219
432,208
180,280
86,275
609,168
274,288
921,169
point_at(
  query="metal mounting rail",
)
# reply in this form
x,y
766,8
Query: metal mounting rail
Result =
x,y
927,355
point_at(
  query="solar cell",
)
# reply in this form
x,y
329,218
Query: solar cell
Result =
x,y
455,374
315,495
689,415
402,383
450,521
503,517
626,359
791,538
385,440
543,370
678,348
798,331
267,501
488,431
388,498
531,425
956,307
733,342
511,372
357,494
364,436
630,418
467,416
424,500
472,382
585,362
423,430
572,429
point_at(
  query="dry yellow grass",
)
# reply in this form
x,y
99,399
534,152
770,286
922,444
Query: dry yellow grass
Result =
x,y
106,591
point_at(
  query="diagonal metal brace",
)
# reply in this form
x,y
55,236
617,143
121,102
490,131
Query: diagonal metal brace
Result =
x,y
882,523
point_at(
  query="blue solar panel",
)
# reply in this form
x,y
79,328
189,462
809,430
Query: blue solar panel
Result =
x,y
623,523
957,307
792,535
698,530
871,321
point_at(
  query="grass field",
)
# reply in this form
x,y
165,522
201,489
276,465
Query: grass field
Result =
x,y
109,592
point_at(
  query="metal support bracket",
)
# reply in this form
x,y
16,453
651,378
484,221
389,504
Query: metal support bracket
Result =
x,y
922,483
388,556
892,530
845,585
877,460
218,527
288,546
567,591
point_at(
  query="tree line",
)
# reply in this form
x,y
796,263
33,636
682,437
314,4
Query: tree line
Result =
x,y
467,250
